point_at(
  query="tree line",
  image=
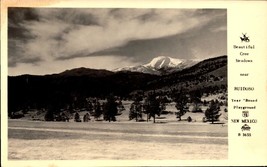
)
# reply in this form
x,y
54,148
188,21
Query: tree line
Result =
x,y
150,105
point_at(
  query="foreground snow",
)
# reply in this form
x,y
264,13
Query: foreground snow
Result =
x,y
30,140
82,149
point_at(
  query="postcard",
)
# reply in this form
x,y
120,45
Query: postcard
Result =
x,y
133,83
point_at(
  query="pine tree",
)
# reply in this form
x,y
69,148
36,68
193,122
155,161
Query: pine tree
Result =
x,y
90,106
77,117
98,111
135,110
120,107
162,103
49,115
152,107
212,113
196,99
181,101
110,109
51,111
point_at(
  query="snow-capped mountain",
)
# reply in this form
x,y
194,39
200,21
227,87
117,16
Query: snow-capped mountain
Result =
x,y
163,62
161,65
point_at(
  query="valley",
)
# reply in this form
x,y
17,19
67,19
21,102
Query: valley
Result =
x,y
183,129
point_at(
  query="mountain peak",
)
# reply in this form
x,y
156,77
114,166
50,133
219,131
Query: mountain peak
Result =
x,y
161,65
163,62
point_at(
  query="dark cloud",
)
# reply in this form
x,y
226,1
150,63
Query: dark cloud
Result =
x,y
189,45
17,15
144,50
149,16
18,35
186,46
33,60
81,53
12,62
16,18
116,13
131,13
16,55
60,37
210,12
73,16
15,52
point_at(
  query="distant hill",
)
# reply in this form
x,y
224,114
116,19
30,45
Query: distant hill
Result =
x,y
204,71
74,86
86,71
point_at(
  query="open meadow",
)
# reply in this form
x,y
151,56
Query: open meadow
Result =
x,y
122,140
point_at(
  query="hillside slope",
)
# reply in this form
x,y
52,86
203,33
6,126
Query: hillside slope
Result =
x,y
74,86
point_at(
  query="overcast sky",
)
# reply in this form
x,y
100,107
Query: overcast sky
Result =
x,y
45,41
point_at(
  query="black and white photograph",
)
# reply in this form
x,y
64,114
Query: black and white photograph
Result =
x,y
117,83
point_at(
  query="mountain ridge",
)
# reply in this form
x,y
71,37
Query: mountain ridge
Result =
x,y
31,91
161,65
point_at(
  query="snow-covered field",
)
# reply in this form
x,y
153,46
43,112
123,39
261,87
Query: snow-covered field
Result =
x,y
167,139
123,140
